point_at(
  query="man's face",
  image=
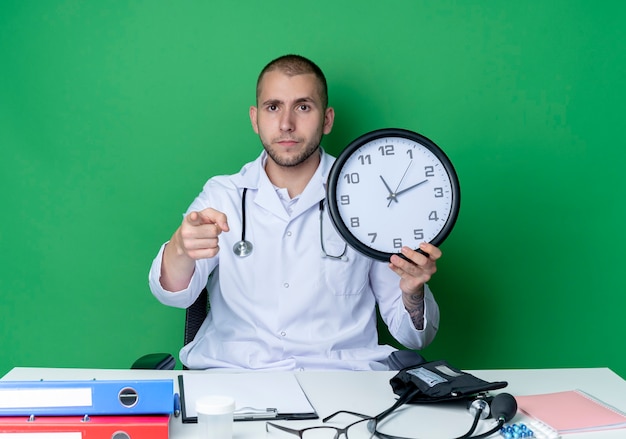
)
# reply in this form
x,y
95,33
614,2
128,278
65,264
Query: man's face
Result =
x,y
290,119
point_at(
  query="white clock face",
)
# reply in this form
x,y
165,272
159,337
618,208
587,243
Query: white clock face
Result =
x,y
393,191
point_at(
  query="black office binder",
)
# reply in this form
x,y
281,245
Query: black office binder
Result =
x,y
258,395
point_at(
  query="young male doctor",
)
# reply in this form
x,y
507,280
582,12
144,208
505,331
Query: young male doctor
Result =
x,y
279,301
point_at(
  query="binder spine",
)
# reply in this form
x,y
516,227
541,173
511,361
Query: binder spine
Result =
x,y
67,398
95,427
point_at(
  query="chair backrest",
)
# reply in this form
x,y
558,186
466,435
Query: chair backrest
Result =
x,y
195,316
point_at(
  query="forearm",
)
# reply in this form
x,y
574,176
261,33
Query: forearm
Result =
x,y
401,320
414,304
177,267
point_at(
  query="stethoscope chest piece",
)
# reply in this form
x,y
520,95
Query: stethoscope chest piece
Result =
x,y
242,248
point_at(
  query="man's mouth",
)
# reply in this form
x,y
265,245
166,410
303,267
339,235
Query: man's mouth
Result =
x,y
287,142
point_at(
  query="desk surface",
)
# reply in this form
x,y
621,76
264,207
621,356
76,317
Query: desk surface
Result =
x,y
370,393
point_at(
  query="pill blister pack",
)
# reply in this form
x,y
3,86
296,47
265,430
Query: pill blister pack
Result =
x,y
534,429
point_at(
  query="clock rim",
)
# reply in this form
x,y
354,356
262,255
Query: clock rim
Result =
x,y
335,172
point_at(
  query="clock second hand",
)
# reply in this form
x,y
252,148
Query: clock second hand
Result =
x,y
392,195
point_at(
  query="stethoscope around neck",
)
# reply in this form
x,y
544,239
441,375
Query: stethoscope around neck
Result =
x,y
244,247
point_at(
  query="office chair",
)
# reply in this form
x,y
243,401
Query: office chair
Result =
x,y
194,316
197,312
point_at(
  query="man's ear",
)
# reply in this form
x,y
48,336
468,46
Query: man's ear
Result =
x,y
255,126
329,119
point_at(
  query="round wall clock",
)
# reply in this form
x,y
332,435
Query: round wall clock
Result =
x,y
391,188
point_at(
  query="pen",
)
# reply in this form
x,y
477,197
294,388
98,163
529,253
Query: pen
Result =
x,y
176,405
249,413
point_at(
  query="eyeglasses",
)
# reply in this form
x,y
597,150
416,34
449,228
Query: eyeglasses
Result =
x,y
360,430
366,427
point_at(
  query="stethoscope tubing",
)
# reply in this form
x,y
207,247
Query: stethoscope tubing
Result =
x,y
244,247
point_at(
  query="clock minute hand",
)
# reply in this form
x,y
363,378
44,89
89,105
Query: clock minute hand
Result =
x,y
406,189
392,195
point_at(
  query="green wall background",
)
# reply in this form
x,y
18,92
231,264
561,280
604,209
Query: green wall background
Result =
x,y
114,113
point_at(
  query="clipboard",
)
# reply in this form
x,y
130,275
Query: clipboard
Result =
x,y
258,395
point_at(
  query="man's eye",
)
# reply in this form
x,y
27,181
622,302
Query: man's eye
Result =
x,y
272,107
304,107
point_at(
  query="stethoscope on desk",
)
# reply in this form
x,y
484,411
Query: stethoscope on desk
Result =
x,y
501,408
244,247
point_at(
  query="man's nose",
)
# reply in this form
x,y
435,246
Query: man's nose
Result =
x,y
287,121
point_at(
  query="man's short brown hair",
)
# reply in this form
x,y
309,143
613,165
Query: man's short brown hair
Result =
x,y
292,65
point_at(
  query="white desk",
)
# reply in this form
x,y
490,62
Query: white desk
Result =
x,y
370,393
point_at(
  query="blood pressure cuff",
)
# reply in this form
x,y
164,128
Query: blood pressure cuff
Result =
x,y
439,381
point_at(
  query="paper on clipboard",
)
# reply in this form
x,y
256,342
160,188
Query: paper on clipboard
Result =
x,y
258,395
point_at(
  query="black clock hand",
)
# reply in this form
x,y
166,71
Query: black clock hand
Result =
x,y
407,189
391,194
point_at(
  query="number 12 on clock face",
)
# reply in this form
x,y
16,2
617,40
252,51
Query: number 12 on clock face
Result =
x,y
392,188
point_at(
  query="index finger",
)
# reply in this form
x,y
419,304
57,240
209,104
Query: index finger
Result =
x,y
208,216
430,250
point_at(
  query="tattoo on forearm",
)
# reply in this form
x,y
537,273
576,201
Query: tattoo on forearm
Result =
x,y
415,307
